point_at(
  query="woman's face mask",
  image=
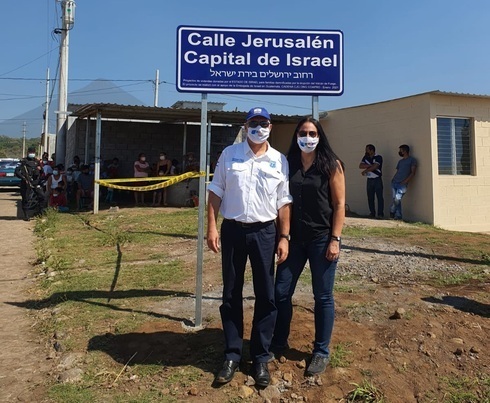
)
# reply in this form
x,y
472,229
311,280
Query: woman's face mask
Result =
x,y
162,157
143,159
55,172
308,144
31,155
258,135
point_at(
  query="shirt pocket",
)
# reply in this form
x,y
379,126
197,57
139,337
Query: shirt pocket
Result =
x,y
270,180
236,175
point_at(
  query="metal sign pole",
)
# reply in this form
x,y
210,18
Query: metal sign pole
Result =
x,y
98,138
202,205
314,107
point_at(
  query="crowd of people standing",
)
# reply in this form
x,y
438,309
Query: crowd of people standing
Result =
x,y
162,167
73,187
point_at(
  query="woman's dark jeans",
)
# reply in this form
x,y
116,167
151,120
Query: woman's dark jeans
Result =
x,y
323,277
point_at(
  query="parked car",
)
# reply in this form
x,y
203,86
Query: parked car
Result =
x,y
7,172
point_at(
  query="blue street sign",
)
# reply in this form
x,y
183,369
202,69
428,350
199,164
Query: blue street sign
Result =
x,y
259,61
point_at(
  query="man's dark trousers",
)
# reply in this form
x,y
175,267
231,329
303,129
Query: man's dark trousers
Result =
x,y
375,187
258,243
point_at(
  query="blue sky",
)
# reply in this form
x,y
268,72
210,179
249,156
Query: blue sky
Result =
x,y
392,49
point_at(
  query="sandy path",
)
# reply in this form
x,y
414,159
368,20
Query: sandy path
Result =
x,y
23,364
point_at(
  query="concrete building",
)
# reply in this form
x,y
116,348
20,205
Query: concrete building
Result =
x,y
448,134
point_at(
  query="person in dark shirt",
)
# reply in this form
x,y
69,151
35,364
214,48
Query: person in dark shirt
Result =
x,y
317,185
372,166
191,163
112,173
213,164
85,188
29,171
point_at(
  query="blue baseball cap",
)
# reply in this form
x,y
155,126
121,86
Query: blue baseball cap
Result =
x,y
258,111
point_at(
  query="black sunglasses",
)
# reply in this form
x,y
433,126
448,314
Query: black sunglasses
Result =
x,y
253,124
303,133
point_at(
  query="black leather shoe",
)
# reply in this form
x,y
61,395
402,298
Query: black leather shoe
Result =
x,y
227,372
261,374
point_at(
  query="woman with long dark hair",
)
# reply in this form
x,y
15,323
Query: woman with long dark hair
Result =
x,y
317,184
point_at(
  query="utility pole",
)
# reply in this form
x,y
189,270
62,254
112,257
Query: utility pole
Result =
x,y
157,78
24,139
46,114
68,21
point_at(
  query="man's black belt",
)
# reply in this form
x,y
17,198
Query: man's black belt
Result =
x,y
249,224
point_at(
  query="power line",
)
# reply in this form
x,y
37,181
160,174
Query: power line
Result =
x,y
78,92
20,97
25,64
135,81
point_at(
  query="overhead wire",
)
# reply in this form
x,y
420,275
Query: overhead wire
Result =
x,y
76,92
133,82
26,64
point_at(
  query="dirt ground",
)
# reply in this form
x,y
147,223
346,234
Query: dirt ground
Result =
x,y
23,364
439,334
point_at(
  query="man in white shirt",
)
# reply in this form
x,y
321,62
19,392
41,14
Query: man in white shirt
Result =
x,y
250,188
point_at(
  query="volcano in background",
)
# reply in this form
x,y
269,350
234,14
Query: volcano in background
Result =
x,y
98,91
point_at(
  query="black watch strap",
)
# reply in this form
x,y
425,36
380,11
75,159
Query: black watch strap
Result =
x,y
336,238
288,237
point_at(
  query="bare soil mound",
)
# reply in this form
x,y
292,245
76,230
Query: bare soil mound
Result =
x,y
410,341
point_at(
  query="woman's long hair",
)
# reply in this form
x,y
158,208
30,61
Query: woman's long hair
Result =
x,y
325,160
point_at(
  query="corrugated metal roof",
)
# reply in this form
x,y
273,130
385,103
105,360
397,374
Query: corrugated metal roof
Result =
x,y
167,115
459,94
218,106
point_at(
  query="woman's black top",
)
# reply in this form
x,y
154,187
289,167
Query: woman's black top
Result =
x,y
312,208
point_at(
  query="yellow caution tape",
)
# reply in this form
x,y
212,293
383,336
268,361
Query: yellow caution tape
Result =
x,y
164,181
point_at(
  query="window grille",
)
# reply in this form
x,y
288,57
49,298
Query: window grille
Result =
x,y
454,146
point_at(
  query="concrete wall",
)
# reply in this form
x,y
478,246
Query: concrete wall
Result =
x,y
281,136
387,125
463,201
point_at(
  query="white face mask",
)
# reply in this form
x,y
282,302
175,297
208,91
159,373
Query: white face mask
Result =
x,y
55,172
143,159
308,144
258,135
162,158
31,155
